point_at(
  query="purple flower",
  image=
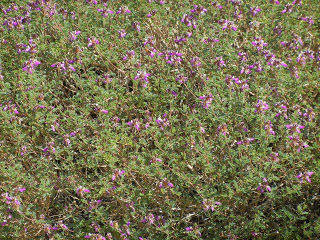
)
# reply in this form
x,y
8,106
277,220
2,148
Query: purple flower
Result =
x,y
229,80
209,205
149,40
258,66
94,204
5,220
269,56
277,30
246,142
304,177
259,43
180,40
77,50
122,33
15,204
95,226
20,47
212,41
219,62
135,123
274,157
152,13
97,236
294,128
50,146
195,229
198,10
142,76
189,20
66,140
72,134
242,127
130,205
105,80
105,2
147,121
264,186
246,69
23,150
296,143
163,122
227,24
294,72
216,5
243,56
172,57
149,219
16,22
302,57
92,42
48,228
92,2
136,26
81,190
73,36
207,99
192,74
130,54
294,43
243,84
151,52
238,15
61,225
308,19
298,2
123,10
117,174
165,183
268,128
54,125
100,109
115,121
254,10
104,12
282,110
6,197
30,65
309,114
195,62
63,66
288,8
261,107
277,63
181,78
222,129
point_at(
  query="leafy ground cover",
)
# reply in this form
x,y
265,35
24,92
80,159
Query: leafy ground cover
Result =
x,y
159,119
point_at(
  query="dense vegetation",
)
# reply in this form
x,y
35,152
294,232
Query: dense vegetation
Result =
x,y
159,119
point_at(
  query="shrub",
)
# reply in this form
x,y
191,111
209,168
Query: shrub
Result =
x,y
159,120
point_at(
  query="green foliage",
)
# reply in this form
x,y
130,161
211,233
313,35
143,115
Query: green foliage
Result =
x,y
210,130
